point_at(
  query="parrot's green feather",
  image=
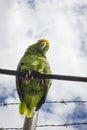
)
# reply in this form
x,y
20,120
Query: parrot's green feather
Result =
x,y
32,94
24,109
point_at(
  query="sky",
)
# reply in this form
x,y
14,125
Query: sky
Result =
x,y
64,24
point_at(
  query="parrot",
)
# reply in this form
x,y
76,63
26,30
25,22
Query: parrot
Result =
x,y
33,91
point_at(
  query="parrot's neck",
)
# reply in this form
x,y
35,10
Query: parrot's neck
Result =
x,y
41,54
32,50
38,53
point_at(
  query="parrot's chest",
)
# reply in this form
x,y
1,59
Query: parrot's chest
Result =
x,y
34,86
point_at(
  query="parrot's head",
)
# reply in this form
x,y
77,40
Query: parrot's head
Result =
x,y
40,47
43,45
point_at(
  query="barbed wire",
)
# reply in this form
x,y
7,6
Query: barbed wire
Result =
x,y
61,125
50,125
49,102
65,102
7,104
11,128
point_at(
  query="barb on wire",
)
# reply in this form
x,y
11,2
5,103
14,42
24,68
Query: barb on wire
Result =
x,y
36,74
49,102
51,125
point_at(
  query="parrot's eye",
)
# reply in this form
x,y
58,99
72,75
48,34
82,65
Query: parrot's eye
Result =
x,y
42,45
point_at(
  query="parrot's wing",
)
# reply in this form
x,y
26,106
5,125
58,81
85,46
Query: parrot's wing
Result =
x,y
19,88
46,84
46,88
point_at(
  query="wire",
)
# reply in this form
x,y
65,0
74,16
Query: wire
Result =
x,y
36,74
11,128
12,72
7,104
65,102
61,125
51,125
49,102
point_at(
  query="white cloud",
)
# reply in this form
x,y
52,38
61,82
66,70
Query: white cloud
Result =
x,y
63,23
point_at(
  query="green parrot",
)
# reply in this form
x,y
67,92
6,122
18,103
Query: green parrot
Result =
x,y
32,92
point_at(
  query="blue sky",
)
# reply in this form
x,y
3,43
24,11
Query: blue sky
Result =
x,y
64,24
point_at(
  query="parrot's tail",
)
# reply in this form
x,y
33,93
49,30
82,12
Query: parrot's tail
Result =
x,y
24,109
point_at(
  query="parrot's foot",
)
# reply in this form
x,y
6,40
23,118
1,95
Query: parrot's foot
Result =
x,y
28,76
42,81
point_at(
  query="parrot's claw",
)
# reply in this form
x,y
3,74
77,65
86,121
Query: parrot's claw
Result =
x,y
28,76
42,82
